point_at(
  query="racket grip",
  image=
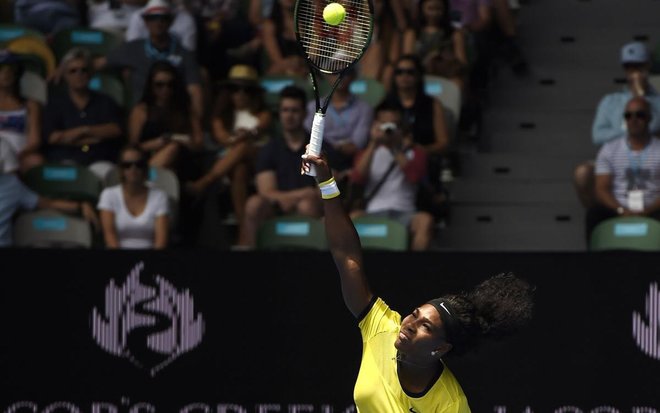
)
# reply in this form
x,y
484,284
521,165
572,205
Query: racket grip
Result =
x,y
316,139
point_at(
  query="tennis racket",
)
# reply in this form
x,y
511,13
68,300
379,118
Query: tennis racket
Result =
x,y
331,50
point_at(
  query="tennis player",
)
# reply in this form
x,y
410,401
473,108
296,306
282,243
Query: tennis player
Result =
x,y
402,368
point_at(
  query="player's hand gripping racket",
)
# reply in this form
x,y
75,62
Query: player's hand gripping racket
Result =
x,y
330,49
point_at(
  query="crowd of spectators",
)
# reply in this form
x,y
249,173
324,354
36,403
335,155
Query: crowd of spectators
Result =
x,y
193,103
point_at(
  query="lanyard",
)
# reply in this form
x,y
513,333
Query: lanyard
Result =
x,y
636,162
156,54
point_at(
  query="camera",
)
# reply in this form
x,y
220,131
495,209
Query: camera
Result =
x,y
388,127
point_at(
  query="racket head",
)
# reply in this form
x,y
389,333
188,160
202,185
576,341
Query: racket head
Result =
x,y
333,49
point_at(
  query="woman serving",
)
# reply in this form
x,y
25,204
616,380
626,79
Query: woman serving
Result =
x,y
402,368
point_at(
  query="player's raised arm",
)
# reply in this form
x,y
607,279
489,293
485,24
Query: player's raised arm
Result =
x,y
343,241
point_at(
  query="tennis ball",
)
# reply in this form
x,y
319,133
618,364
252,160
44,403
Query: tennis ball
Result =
x,y
334,13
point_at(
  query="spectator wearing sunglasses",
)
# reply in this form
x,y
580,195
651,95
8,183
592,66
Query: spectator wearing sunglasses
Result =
x,y
240,124
161,124
81,125
182,23
134,215
609,123
426,117
628,170
137,56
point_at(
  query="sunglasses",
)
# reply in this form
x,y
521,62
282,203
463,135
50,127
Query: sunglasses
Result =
x,y
639,114
411,72
160,17
140,164
163,84
78,70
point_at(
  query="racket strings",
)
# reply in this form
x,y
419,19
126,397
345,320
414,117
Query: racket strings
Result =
x,y
334,48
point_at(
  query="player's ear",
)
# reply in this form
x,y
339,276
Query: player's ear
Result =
x,y
441,350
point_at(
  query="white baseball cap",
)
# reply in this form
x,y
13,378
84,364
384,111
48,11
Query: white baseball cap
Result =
x,y
634,52
158,8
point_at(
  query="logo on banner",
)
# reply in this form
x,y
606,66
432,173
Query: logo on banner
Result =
x,y
646,327
150,325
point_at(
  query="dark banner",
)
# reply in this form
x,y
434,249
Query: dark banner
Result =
x,y
208,331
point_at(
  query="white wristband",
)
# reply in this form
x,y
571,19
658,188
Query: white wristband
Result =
x,y
329,189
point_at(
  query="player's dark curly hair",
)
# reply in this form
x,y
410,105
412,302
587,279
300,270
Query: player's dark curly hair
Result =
x,y
494,309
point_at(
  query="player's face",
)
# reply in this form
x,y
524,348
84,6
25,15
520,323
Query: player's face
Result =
x,y
292,114
421,332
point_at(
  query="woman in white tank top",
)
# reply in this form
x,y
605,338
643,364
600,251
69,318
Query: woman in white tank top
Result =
x,y
20,119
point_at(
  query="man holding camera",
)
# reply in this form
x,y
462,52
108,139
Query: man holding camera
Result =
x,y
391,168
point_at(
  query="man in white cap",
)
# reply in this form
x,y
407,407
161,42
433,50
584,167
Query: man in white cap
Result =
x,y
138,55
609,122
183,23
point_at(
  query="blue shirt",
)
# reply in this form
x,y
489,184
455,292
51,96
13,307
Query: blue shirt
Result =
x,y
609,122
13,196
352,122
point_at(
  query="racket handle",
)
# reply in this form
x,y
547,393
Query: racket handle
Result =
x,y
316,139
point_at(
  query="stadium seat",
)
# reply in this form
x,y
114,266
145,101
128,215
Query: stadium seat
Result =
x,y
34,86
292,232
9,32
378,233
371,91
98,42
626,233
66,181
447,92
449,95
273,85
111,85
51,229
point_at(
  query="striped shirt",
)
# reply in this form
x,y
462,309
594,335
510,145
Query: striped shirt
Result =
x,y
631,169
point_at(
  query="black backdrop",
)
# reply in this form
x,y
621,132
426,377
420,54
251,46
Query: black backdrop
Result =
x,y
277,337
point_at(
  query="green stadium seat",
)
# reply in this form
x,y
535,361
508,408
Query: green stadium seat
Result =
x,y
273,85
75,182
10,31
626,233
51,229
292,232
378,233
98,42
371,91
111,85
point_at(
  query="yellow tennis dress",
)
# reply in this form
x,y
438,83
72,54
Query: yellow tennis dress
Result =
x,y
377,389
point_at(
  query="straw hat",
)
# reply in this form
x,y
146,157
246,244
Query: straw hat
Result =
x,y
242,75
30,45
